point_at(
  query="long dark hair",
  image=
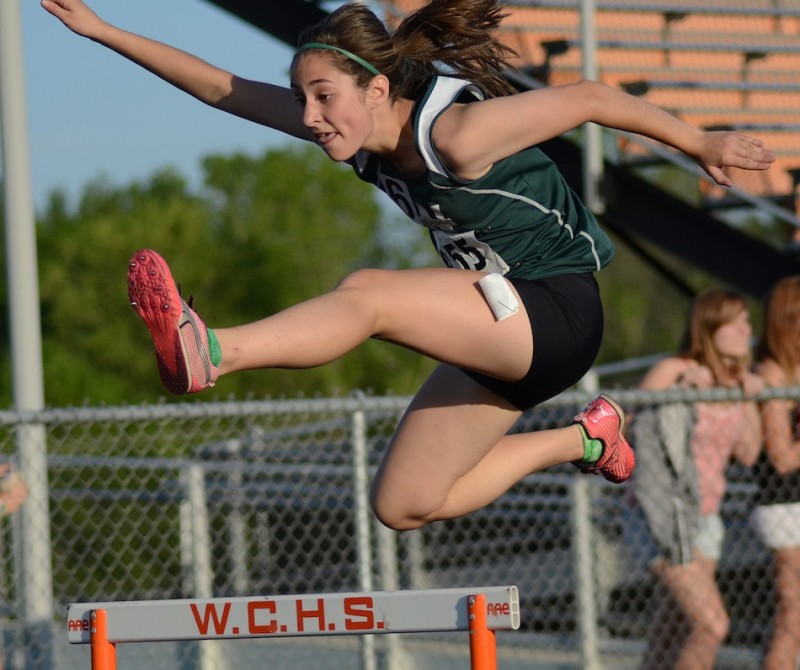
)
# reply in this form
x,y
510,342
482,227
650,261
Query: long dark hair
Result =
x,y
452,37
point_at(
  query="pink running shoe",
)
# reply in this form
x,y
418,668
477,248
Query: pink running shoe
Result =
x,y
180,336
604,420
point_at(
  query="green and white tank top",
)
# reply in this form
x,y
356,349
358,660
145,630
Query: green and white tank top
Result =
x,y
520,219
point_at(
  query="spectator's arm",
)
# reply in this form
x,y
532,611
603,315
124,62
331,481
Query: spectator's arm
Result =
x,y
780,443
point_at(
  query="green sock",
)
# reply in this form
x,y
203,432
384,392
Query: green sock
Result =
x,y
214,350
592,448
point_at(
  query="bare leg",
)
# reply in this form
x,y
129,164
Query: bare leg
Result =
x,y
666,633
693,588
785,642
439,312
450,454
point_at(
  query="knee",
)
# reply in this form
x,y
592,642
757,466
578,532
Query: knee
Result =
x,y
714,628
398,522
395,520
787,615
362,279
363,290
721,629
393,514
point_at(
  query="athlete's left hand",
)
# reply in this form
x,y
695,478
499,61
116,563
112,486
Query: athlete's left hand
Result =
x,y
722,148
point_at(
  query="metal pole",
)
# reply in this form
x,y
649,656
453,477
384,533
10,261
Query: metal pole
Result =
x,y
584,579
25,332
203,575
593,134
211,656
590,382
396,657
358,436
236,521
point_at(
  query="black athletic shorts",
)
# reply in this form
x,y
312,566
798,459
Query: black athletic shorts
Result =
x,y
566,318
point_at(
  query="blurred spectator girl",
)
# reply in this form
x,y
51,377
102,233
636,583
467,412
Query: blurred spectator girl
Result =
x,y
680,482
777,514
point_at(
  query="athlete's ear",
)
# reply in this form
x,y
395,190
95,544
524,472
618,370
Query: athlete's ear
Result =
x,y
378,90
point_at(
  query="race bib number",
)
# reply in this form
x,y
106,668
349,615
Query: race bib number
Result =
x,y
464,250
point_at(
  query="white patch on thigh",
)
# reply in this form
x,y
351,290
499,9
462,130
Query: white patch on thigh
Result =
x,y
499,295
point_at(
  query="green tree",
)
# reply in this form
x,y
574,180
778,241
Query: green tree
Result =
x,y
263,233
93,348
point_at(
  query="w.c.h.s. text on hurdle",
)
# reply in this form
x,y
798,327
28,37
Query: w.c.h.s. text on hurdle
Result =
x,y
308,617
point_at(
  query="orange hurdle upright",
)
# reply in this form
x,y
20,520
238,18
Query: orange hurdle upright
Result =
x,y
482,641
104,653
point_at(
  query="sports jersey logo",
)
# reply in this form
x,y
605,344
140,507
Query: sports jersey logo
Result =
x,y
428,216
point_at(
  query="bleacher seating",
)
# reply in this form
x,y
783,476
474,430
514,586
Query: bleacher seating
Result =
x,y
710,62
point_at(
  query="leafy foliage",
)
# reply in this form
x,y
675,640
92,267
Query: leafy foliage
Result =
x,y
265,232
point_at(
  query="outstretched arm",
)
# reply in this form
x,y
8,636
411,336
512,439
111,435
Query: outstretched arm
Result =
x,y
471,138
266,104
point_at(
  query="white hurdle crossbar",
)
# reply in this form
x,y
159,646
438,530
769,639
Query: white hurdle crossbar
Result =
x,y
480,611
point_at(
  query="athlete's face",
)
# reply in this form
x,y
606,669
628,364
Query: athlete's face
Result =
x,y
334,108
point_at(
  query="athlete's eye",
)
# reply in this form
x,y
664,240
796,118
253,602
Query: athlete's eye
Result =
x,y
324,97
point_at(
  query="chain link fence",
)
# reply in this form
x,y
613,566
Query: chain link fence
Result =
x,y
257,498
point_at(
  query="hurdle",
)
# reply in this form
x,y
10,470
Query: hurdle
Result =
x,y
478,611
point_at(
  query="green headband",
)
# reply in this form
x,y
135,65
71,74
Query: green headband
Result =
x,y
344,52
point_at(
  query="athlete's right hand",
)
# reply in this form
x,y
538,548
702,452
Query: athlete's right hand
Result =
x,y
75,15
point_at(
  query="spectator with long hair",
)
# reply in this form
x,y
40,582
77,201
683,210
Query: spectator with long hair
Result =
x,y
691,622
776,516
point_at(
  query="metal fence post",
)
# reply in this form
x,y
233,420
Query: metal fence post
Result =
x,y
34,572
586,615
387,565
26,339
236,521
593,134
358,438
211,657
